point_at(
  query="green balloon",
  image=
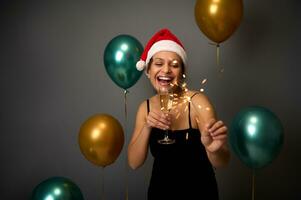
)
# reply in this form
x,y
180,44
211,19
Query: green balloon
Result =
x,y
57,188
256,136
120,58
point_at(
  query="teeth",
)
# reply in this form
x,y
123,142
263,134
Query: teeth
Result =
x,y
164,78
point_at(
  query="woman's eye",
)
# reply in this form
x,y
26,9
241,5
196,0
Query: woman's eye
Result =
x,y
174,64
158,64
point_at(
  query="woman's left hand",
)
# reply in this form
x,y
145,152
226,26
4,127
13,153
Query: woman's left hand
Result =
x,y
214,135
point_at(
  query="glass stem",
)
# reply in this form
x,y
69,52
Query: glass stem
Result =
x,y
166,134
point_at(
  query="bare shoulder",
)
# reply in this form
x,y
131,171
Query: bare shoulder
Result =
x,y
142,109
198,97
201,106
153,98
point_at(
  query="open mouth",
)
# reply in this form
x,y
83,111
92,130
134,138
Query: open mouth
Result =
x,y
164,80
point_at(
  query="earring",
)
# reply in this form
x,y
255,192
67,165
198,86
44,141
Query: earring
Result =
x,y
148,76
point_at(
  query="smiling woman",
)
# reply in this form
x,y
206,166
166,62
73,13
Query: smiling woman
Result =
x,y
166,69
183,168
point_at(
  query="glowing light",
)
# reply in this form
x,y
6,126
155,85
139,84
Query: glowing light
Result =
x,y
185,108
124,47
203,83
95,134
119,55
102,125
57,191
253,120
174,62
49,197
213,9
251,129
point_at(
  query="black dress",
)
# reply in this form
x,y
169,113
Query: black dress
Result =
x,y
181,170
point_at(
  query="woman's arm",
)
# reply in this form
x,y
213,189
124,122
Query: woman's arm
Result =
x,y
214,139
138,146
213,131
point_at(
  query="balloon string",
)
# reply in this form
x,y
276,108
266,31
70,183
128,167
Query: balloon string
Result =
x,y
253,184
217,55
125,105
126,159
220,68
103,184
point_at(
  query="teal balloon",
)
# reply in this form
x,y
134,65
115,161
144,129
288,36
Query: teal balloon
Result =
x,y
120,57
57,188
256,136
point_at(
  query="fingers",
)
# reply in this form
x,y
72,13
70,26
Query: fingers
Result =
x,y
220,131
157,124
212,125
158,120
217,129
161,117
220,137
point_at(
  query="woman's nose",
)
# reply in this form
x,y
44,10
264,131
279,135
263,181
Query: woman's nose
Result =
x,y
166,68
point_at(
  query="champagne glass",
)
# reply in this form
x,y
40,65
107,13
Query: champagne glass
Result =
x,y
166,102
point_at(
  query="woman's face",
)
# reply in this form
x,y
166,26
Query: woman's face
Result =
x,y
165,68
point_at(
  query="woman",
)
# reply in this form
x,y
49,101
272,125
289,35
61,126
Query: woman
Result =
x,y
184,169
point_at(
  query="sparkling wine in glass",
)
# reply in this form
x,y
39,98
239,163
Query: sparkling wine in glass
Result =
x,y
166,101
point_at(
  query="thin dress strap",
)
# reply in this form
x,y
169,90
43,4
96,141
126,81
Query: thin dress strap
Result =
x,y
189,110
147,103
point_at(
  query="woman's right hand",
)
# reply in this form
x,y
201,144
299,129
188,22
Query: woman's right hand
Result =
x,y
157,119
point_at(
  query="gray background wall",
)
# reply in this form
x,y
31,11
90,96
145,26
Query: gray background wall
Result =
x,y
52,78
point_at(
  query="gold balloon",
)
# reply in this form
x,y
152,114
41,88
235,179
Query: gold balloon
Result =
x,y
101,139
218,19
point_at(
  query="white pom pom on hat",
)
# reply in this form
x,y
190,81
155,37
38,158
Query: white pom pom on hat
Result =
x,y
163,40
140,65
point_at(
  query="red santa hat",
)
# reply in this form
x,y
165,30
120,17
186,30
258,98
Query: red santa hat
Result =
x,y
163,40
